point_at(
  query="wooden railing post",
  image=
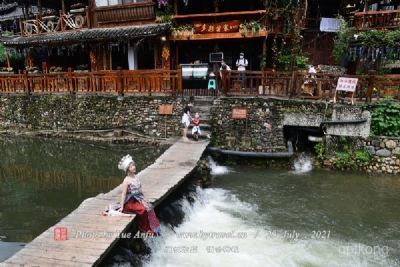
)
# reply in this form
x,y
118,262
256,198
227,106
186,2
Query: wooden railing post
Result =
x,y
371,85
292,84
21,27
88,11
120,89
26,81
62,27
180,89
224,79
70,82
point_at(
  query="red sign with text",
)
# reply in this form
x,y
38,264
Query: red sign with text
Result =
x,y
220,27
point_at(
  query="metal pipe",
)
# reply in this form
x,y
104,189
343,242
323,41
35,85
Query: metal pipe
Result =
x,y
344,121
271,155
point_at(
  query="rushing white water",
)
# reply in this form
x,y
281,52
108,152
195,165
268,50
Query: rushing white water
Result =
x,y
217,169
303,163
220,230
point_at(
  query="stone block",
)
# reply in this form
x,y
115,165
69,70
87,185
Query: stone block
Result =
x,y
390,144
371,150
383,153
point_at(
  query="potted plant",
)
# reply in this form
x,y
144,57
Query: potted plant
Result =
x,y
82,68
6,70
33,69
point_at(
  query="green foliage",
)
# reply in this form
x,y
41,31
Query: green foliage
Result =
x,y
362,156
252,27
320,151
182,28
301,62
342,40
375,38
165,15
287,4
386,118
344,160
348,159
284,61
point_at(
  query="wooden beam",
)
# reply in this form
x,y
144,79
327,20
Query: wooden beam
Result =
x,y
39,3
223,14
176,7
214,36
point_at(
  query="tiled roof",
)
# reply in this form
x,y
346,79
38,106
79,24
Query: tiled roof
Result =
x,y
87,35
17,13
4,8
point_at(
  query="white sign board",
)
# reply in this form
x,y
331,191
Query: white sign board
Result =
x,y
347,84
329,25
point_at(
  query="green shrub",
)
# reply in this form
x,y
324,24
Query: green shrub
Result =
x,y
385,118
344,160
362,156
320,151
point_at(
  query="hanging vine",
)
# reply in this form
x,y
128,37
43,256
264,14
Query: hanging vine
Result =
x,y
289,55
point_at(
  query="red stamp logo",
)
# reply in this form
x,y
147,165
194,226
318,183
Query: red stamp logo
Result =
x,y
60,233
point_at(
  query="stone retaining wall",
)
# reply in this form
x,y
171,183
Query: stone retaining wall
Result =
x,y
140,114
263,130
385,152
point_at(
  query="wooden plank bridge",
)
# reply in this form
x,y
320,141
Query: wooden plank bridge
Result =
x,y
89,234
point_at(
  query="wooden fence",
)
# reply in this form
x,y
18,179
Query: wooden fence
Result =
x,y
120,82
305,85
169,82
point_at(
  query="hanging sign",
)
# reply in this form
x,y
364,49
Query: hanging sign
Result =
x,y
239,113
165,109
220,27
347,84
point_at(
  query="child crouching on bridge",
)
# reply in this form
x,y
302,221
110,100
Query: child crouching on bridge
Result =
x,y
132,199
196,132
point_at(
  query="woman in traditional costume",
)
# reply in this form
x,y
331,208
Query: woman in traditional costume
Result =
x,y
132,199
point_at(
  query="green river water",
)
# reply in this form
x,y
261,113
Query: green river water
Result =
x,y
274,217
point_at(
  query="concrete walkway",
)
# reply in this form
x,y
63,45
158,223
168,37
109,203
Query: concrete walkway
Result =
x,y
91,235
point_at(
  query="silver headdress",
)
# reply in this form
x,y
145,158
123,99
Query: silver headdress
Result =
x,y
124,163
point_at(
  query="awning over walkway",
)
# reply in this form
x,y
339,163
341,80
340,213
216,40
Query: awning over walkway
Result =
x,y
87,35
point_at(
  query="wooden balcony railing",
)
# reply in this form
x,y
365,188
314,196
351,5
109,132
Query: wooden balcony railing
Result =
x,y
123,14
303,85
377,19
103,82
49,24
169,82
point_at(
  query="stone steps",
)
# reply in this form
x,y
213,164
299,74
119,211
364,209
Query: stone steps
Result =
x,y
202,105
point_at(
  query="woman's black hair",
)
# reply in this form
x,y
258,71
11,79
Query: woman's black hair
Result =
x,y
187,108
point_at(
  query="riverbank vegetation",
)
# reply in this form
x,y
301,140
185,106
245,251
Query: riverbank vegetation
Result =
x,y
385,118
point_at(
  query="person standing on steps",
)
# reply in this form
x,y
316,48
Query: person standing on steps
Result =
x,y
241,65
186,120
